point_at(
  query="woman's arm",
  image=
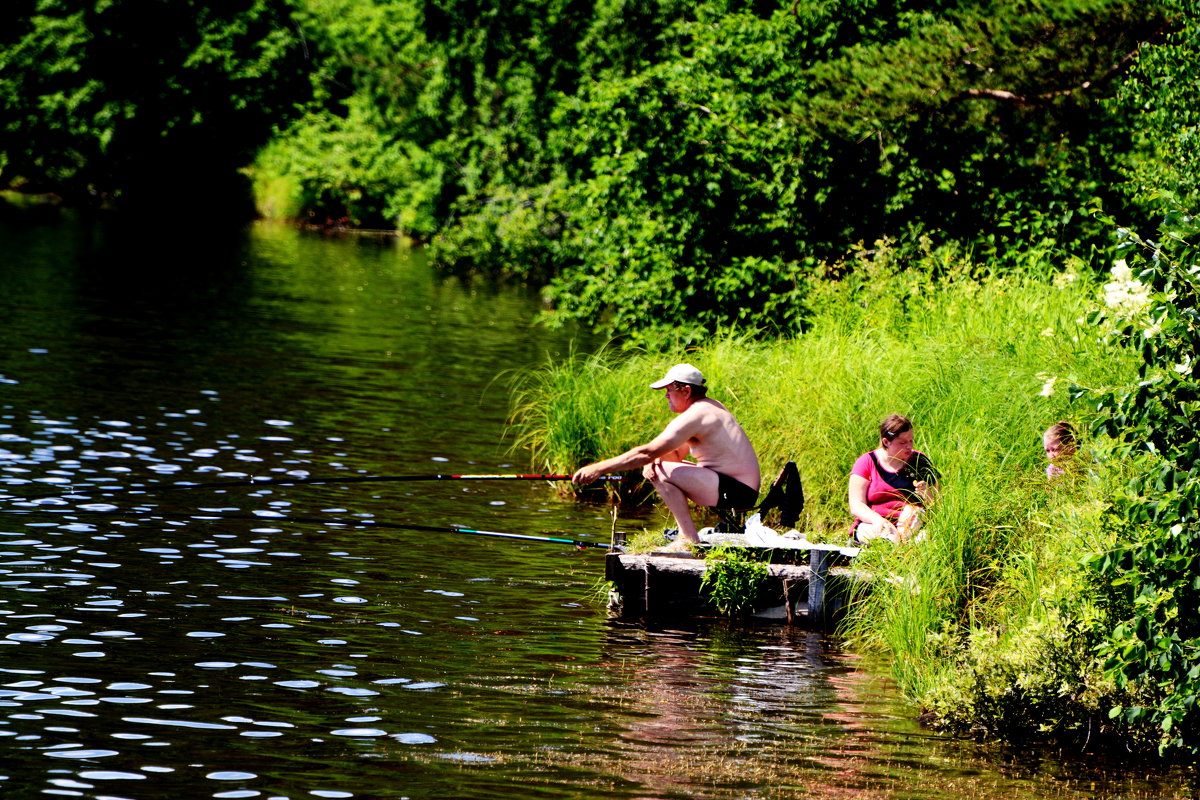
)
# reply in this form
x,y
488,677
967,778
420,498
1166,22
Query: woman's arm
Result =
x,y
860,508
928,487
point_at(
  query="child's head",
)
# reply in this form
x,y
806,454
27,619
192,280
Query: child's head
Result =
x,y
1059,440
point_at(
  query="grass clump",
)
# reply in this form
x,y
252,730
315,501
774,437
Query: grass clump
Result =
x,y
577,411
645,541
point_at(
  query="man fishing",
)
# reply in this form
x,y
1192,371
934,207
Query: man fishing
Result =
x,y
724,473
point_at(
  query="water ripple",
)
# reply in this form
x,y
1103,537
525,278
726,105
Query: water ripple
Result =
x,y
111,775
82,753
180,723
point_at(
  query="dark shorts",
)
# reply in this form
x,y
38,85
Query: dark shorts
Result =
x,y
732,493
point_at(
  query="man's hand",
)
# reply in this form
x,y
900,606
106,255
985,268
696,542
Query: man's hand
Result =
x,y
586,475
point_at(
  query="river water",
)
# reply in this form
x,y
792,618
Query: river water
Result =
x,y
298,641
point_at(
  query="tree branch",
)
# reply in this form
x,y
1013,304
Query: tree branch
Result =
x,y
1004,96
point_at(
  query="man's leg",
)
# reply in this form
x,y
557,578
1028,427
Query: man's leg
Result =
x,y
677,482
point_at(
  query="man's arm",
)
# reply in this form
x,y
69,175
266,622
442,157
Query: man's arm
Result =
x,y
672,441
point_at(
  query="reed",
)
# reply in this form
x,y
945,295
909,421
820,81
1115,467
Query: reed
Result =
x,y
572,412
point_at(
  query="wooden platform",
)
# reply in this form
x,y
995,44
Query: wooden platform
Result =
x,y
807,584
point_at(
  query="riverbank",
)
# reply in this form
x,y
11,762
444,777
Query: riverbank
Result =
x,y
982,366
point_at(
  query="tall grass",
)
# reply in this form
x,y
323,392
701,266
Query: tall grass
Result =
x,y
967,357
570,413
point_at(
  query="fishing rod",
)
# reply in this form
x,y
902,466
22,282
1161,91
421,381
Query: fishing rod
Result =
x,y
365,523
67,489
254,481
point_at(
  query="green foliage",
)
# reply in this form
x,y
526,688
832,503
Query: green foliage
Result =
x,y
517,233
345,170
1153,653
360,155
984,118
1162,101
1038,682
731,579
683,212
93,106
700,185
1025,667
1152,423
669,170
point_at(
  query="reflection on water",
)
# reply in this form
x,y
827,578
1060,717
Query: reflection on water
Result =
x,y
164,641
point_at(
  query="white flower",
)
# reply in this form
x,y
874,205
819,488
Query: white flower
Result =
x,y
1048,387
1064,279
1048,331
1121,273
1125,293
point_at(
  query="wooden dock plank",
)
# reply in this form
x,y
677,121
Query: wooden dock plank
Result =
x,y
669,584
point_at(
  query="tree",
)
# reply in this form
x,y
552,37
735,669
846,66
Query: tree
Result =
x,y
694,191
1154,567
130,101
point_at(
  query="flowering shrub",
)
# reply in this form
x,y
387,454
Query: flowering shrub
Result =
x,y
1154,652
1125,294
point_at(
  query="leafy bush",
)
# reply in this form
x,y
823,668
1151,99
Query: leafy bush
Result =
x,y
669,170
1152,571
1152,424
702,187
347,170
1025,666
731,579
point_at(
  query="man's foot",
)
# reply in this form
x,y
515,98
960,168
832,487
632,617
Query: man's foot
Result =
x,y
671,534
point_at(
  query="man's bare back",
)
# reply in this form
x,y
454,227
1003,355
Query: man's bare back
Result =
x,y
716,440
725,472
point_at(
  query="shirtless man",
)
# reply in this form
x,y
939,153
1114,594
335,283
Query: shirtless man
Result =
x,y
725,471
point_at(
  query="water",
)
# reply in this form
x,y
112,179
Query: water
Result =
x,y
158,641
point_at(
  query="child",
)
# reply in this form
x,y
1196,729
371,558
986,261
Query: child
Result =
x,y
1060,444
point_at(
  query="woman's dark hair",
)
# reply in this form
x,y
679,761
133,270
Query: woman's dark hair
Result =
x,y
893,425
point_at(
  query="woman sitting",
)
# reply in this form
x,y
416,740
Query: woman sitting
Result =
x,y
891,486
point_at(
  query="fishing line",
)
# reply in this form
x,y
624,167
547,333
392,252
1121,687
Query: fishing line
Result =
x,y
66,489
362,523
378,478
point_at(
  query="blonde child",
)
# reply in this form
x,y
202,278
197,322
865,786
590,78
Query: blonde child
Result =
x,y
1060,443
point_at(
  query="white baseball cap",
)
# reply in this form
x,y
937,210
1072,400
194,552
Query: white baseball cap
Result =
x,y
680,373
